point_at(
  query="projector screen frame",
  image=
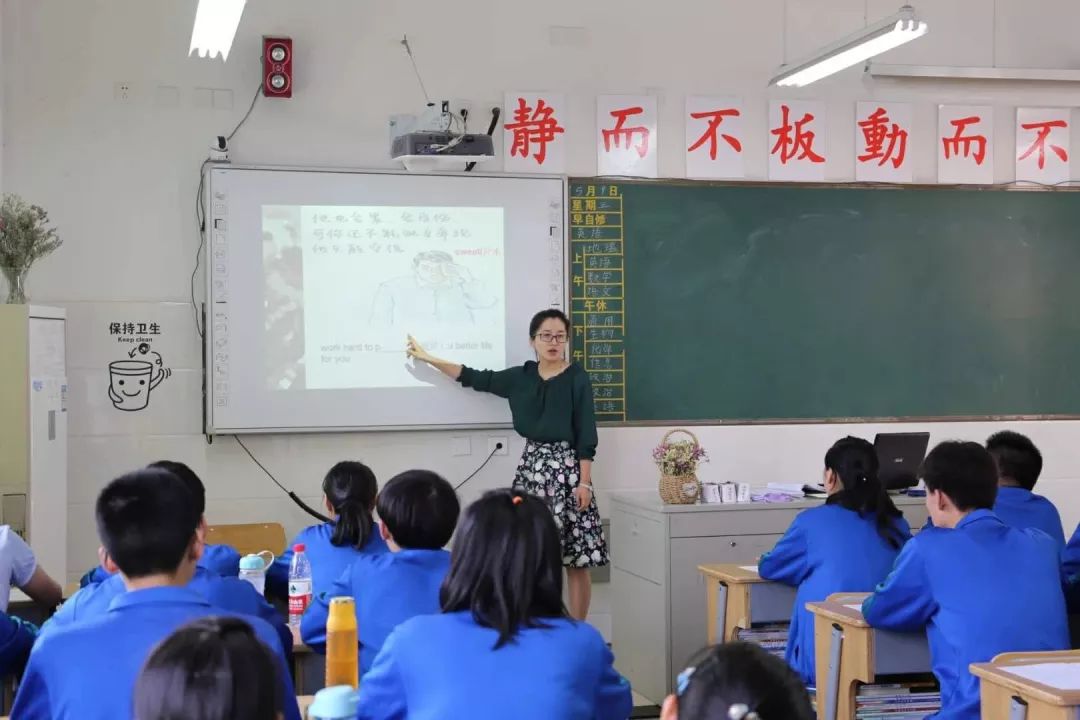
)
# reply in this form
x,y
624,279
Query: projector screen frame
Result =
x,y
210,430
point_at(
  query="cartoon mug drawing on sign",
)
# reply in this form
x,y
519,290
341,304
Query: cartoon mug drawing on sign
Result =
x,y
130,381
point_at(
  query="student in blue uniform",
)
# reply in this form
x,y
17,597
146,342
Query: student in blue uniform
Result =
x,y
148,524
173,682
847,545
504,646
418,511
978,586
1019,464
219,559
332,547
737,681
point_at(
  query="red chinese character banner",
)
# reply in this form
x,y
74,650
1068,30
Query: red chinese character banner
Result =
x,y
534,135
965,144
797,140
1042,145
626,139
882,141
715,137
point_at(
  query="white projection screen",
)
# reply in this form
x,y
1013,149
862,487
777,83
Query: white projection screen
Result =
x,y
316,277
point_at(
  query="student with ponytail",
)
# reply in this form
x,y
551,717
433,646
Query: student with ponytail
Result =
x,y
349,489
847,545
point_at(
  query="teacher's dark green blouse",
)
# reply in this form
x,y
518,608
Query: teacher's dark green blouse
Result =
x,y
559,409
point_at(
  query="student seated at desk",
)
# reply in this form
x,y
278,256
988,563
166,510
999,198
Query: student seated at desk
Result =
x,y
245,686
19,568
148,524
1019,464
847,545
219,559
418,511
505,646
978,586
225,592
331,548
737,681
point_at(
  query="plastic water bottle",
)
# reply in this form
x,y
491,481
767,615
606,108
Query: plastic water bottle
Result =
x,y
253,569
299,585
342,663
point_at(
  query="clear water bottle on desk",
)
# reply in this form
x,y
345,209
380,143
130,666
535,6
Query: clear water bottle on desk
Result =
x,y
299,585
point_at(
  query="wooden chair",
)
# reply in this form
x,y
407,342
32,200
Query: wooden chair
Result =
x,y
250,537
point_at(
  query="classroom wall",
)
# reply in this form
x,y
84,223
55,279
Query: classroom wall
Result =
x,y
119,177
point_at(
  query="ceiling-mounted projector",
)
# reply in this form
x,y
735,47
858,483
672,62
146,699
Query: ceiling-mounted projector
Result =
x,y
441,151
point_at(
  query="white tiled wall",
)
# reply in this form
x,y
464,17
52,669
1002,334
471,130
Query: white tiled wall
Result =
x,y
119,180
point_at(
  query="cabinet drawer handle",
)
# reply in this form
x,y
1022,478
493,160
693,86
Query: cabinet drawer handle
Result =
x,y
733,543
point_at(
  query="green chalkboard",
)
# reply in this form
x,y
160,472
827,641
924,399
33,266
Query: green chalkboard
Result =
x,y
713,302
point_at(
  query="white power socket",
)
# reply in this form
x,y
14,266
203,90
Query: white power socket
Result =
x,y
493,446
123,91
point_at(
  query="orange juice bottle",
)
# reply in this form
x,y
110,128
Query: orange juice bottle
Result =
x,y
341,644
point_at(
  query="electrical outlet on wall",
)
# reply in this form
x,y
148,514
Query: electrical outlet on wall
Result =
x,y
494,443
123,91
458,104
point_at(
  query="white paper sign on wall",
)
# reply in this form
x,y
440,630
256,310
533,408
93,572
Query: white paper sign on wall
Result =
x,y
1042,145
882,139
534,135
714,137
965,148
626,137
797,140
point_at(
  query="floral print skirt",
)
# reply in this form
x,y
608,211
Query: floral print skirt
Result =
x,y
551,471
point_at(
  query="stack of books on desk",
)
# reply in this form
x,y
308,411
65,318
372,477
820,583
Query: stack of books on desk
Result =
x,y
772,638
902,701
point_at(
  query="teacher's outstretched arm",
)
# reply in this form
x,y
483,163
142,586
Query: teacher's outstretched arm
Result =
x,y
416,351
499,383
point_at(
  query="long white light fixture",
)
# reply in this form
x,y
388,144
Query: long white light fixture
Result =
x,y
854,49
215,27
950,72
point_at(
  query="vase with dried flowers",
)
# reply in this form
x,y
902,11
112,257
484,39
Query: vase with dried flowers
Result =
x,y
25,238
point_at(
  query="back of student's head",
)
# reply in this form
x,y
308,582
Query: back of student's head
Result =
x,y
350,488
212,669
965,472
191,480
740,680
855,463
506,564
419,509
146,520
1018,460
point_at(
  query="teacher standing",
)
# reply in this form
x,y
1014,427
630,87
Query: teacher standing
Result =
x,y
552,404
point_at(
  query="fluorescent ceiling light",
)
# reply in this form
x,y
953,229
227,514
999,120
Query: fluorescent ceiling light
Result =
x,y
854,49
949,72
215,27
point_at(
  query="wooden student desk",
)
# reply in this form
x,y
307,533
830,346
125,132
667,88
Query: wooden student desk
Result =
x,y
848,652
1005,696
737,599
